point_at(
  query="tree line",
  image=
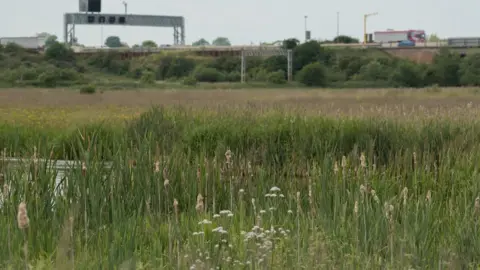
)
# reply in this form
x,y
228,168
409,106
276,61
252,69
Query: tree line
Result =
x,y
313,65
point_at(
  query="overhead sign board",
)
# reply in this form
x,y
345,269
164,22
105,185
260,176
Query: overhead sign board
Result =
x,y
120,19
176,22
90,5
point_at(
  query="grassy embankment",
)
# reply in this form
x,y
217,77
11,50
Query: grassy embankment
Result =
x,y
365,180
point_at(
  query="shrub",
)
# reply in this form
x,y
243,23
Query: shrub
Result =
x,y
148,77
59,52
407,74
13,48
259,75
313,75
277,77
205,74
275,63
180,67
190,81
234,76
374,71
225,64
88,89
48,79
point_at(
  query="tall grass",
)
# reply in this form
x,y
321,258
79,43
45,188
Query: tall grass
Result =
x,y
243,191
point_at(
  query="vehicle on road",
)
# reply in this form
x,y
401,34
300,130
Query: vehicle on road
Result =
x,y
391,36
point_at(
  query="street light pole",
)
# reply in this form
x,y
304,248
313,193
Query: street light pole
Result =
x,y
338,23
306,17
365,25
125,4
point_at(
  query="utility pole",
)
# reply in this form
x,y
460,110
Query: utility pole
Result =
x,y
125,4
338,23
306,17
365,38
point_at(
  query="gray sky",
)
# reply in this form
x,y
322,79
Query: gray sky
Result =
x,y
248,21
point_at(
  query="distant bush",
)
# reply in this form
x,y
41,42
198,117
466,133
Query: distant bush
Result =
x,y
407,74
88,89
277,77
374,71
60,52
13,48
190,81
313,75
205,74
180,67
233,76
48,79
225,64
148,77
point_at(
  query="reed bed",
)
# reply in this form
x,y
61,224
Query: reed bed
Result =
x,y
245,189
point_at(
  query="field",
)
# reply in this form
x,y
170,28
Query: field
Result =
x,y
241,179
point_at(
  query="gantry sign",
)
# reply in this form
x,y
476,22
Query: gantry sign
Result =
x,y
176,22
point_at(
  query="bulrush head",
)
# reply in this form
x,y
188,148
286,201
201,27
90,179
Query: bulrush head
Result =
x,y
228,156
84,168
199,207
344,162
428,198
156,167
132,163
405,195
175,205
22,217
363,161
165,173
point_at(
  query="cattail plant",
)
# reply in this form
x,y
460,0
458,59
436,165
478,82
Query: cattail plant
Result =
x,y
23,224
156,167
389,216
428,197
199,206
335,168
175,209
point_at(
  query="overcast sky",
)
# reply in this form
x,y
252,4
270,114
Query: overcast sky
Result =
x,y
248,21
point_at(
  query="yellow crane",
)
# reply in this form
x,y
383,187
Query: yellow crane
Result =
x,y
365,37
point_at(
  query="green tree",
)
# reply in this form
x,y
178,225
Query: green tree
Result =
x,y
225,64
313,74
275,63
201,42
113,42
470,70
51,39
290,44
444,70
374,71
307,53
345,39
206,74
60,52
149,44
221,41
407,74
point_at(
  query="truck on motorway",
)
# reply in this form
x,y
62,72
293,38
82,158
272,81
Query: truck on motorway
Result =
x,y
33,43
402,38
